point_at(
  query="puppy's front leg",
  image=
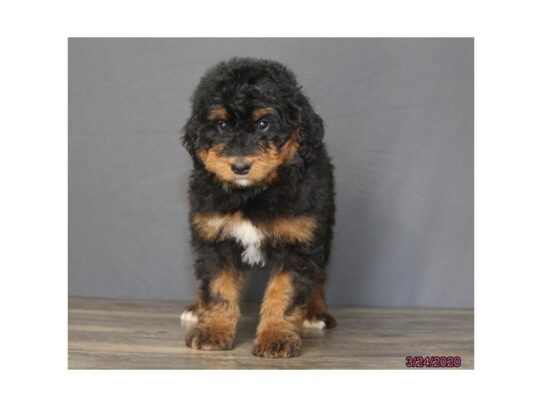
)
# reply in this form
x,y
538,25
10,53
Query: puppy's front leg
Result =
x,y
278,333
218,312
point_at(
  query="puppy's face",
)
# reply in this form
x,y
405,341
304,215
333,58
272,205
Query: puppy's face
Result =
x,y
246,147
246,122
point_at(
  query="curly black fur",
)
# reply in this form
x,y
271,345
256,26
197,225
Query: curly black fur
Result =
x,y
303,185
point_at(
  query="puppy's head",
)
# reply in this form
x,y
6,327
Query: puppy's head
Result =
x,y
249,118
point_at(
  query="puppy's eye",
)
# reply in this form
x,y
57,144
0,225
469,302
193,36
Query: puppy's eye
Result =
x,y
221,124
262,124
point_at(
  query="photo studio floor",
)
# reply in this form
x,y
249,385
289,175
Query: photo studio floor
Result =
x,y
119,334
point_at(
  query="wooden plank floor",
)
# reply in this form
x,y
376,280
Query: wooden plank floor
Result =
x,y
115,334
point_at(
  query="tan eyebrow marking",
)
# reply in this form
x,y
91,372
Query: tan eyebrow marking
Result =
x,y
217,112
257,113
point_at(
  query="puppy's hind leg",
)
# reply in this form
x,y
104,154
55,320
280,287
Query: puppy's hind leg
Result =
x,y
317,315
190,314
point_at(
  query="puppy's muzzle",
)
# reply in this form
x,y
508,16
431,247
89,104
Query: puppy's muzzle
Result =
x,y
240,167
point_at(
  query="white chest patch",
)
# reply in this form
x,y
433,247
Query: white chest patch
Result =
x,y
247,235
250,237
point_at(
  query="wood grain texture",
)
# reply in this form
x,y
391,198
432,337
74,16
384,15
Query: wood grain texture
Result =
x,y
115,334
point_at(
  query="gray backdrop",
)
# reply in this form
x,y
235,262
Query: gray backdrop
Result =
x,y
399,120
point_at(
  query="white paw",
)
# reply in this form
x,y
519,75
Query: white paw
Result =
x,y
189,316
315,324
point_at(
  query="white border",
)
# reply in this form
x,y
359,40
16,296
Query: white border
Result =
x,y
508,201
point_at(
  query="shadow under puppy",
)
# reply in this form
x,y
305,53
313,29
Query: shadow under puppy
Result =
x,y
261,198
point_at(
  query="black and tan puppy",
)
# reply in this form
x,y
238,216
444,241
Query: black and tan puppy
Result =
x,y
261,198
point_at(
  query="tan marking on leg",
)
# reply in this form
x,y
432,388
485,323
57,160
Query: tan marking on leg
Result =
x,y
278,333
217,319
225,286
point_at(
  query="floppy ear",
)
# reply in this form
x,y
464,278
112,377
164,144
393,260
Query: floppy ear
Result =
x,y
191,132
311,129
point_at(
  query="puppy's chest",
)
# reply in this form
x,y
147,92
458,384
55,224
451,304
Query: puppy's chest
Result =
x,y
251,235
251,238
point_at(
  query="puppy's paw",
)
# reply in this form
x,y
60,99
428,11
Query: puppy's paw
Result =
x,y
320,321
273,344
189,316
206,339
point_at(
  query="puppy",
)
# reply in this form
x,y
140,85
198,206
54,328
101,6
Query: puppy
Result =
x,y
261,199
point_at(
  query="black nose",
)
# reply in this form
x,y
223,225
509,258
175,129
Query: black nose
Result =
x,y
240,168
